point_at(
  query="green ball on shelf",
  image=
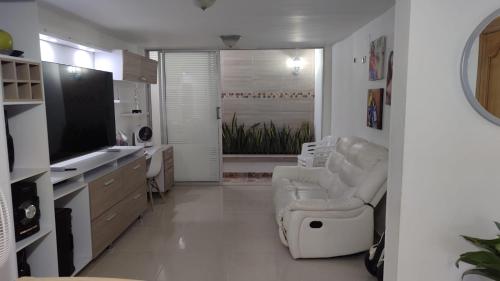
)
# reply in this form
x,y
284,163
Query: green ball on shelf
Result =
x,y
6,42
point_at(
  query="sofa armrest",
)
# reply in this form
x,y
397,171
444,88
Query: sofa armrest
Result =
x,y
296,173
344,205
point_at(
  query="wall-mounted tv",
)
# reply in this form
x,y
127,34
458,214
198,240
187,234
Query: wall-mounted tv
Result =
x,y
80,110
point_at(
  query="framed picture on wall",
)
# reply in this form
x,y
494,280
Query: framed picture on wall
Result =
x,y
377,59
375,107
388,90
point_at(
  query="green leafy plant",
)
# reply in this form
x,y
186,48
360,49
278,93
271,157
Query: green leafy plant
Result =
x,y
264,138
486,261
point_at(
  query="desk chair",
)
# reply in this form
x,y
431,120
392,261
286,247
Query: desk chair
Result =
x,y
154,170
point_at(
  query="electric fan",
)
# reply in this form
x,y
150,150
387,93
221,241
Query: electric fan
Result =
x,y
4,230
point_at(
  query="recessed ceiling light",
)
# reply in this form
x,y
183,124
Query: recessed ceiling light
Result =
x,y
230,40
204,4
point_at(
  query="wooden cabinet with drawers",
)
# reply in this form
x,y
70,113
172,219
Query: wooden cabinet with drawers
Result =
x,y
116,201
168,167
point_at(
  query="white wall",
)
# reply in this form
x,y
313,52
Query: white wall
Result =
x,y
266,72
448,183
69,27
350,82
23,32
326,129
318,93
52,52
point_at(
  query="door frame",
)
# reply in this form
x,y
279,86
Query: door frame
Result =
x,y
162,92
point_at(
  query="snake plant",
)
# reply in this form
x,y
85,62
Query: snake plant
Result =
x,y
486,261
264,138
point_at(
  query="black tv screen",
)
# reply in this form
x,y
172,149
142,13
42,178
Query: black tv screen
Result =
x,y
80,110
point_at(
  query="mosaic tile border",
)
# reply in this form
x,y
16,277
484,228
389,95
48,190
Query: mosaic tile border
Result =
x,y
278,95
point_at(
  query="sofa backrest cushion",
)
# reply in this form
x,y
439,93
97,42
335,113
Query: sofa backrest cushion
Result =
x,y
360,165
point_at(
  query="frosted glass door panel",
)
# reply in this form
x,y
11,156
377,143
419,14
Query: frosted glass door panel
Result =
x,y
192,98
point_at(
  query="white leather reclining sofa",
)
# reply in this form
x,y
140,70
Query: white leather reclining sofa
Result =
x,y
328,211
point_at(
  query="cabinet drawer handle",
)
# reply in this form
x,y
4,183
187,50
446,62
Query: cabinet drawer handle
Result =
x,y
137,196
143,78
136,167
110,182
110,218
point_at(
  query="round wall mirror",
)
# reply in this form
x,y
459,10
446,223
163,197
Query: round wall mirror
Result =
x,y
480,70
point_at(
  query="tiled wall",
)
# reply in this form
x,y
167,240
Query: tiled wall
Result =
x,y
258,86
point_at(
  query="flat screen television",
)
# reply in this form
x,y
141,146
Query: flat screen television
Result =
x,y
80,110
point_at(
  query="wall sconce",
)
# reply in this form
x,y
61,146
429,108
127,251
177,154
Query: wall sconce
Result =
x,y
296,64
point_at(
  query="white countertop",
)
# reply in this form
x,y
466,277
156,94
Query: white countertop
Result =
x,y
91,161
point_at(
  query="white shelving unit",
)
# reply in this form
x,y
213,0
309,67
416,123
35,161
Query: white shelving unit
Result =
x,y
22,101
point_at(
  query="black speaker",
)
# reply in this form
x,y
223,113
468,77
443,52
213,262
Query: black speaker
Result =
x,y
10,143
23,268
26,205
65,246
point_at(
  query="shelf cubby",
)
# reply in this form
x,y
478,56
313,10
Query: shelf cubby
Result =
x,y
8,70
75,196
44,230
19,174
25,126
42,255
24,91
10,91
35,74
22,71
36,91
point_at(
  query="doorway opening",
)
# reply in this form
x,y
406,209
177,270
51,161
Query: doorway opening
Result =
x,y
271,105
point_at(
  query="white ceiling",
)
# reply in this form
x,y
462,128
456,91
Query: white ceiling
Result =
x,y
261,23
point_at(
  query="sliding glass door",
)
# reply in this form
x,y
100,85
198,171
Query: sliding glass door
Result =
x,y
191,100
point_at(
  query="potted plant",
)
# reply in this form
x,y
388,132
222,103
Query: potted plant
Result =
x,y
486,261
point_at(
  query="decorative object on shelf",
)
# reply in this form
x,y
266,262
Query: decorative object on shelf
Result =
x,y
137,109
480,66
230,40
10,143
377,59
26,204
121,138
6,42
7,45
486,261
388,91
204,4
375,108
4,230
144,136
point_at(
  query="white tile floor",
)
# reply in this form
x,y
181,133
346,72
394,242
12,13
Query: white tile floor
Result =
x,y
219,233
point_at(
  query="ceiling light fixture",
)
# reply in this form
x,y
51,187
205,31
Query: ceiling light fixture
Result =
x,y
230,40
204,4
